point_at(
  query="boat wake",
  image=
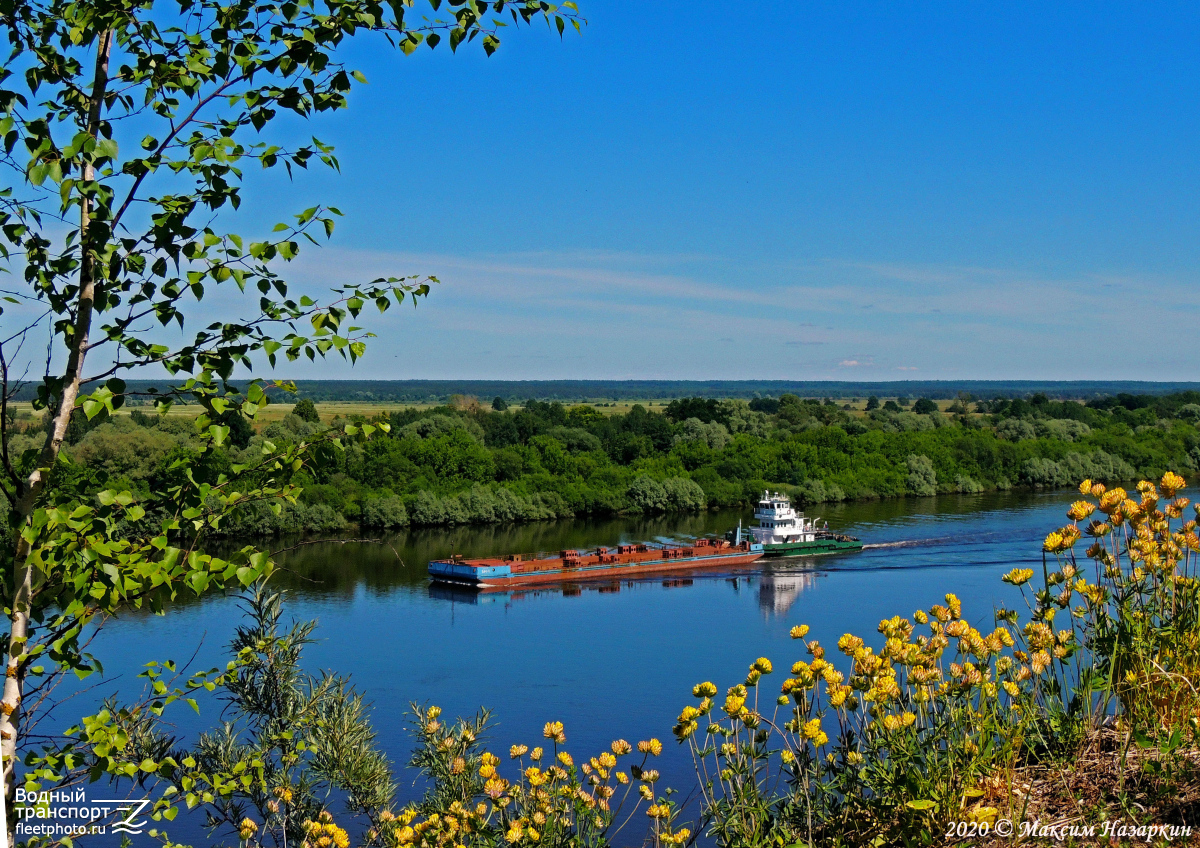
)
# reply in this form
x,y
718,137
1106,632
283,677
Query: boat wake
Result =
x,y
925,543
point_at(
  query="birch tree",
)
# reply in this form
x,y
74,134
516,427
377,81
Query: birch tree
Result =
x,y
126,127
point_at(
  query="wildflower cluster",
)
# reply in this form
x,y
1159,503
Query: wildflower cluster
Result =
x,y
920,703
550,800
323,833
1135,608
922,728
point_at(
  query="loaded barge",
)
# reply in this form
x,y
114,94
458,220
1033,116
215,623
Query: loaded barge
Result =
x,y
603,563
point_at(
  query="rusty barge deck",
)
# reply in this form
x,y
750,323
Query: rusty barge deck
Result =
x,y
603,563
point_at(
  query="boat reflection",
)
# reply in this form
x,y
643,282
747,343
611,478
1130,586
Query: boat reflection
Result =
x,y
777,592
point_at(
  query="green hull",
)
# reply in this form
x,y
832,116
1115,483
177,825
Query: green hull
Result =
x,y
819,546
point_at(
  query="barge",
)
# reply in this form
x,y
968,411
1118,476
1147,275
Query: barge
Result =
x,y
600,564
784,532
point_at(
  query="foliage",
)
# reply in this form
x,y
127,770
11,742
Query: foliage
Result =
x,y
306,410
446,465
127,128
933,727
552,801
306,737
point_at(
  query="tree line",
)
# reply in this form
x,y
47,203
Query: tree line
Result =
x,y
467,463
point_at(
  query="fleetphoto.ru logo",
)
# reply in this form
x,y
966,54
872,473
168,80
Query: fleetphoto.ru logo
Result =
x,y
67,812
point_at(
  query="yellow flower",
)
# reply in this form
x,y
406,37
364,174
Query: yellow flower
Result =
x,y
620,747
517,751
651,746
762,665
1018,576
565,759
799,631
554,730
1080,510
495,787
812,728
247,829
704,690
1171,483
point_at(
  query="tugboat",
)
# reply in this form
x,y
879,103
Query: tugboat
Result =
x,y
784,532
601,564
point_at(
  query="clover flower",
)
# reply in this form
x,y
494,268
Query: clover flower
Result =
x,y
247,829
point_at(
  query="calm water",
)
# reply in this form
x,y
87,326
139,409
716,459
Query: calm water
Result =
x,y
610,660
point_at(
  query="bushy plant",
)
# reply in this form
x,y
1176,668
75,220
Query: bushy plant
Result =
x,y
932,727
551,800
386,512
922,479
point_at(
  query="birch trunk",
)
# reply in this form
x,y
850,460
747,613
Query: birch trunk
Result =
x,y
14,672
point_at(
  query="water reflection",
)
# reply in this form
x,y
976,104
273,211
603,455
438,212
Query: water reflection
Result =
x,y
777,593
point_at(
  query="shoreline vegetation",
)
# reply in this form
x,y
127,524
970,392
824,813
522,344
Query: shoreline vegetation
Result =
x,y
467,462
1071,721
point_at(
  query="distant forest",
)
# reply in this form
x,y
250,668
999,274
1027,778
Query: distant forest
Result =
x,y
519,391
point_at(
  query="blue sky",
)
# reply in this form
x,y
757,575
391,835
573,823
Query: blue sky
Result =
x,y
801,191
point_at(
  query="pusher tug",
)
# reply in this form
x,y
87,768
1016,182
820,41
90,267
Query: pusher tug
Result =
x,y
603,563
784,532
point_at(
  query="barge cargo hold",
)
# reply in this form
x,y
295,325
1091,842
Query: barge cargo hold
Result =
x,y
601,564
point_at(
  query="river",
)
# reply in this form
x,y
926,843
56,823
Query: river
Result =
x,y
611,660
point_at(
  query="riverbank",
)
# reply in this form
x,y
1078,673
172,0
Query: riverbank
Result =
x,y
470,465
602,672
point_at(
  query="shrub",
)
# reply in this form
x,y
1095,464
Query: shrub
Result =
x,y
1015,429
646,494
966,485
1065,429
306,410
1189,412
386,512
712,434
922,479
684,495
427,509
